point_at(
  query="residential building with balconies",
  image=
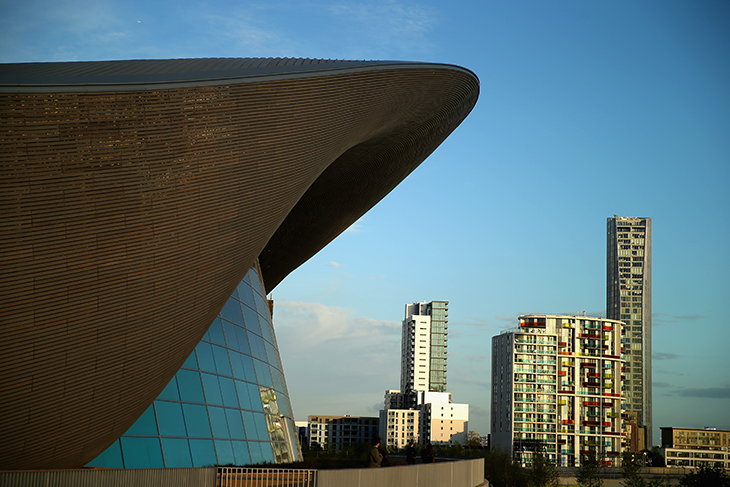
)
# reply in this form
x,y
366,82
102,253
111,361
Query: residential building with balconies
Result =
x,y
556,386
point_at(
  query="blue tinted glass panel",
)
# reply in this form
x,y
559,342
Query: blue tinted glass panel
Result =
x,y
218,422
145,425
170,391
212,390
240,452
205,357
257,346
263,374
246,295
170,418
225,452
196,420
232,311
252,319
283,403
254,393
228,392
222,364
249,372
109,458
261,306
191,390
243,398
235,425
266,331
236,366
249,423
176,452
256,455
191,362
203,453
255,281
276,377
141,452
242,340
271,355
215,332
261,426
267,452
231,336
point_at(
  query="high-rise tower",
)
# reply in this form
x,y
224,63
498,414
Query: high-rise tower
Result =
x,y
423,347
628,299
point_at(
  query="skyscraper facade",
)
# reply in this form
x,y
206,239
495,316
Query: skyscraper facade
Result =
x,y
628,299
423,347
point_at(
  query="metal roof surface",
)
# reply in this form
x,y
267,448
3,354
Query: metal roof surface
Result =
x,y
167,70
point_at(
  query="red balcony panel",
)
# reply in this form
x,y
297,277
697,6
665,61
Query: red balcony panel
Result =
x,y
587,364
606,424
591,384
563,353
565,391
562,372
593,374
607,404
606,327
561,442
568,421
591,423
561,344
591,403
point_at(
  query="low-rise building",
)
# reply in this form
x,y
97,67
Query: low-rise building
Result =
x,y
398,427
341,431
695,447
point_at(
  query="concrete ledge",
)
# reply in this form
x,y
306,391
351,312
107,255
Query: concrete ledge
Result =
x,y
464,473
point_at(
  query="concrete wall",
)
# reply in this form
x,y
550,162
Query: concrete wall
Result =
x,y
159,477
464,473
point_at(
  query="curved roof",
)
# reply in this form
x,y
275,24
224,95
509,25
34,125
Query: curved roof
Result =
x,y
131,211
126,75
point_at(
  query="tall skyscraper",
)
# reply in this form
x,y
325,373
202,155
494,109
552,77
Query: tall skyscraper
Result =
x,y
423,347
628,299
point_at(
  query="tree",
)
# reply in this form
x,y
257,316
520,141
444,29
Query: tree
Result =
x,y
705,476
589,472
501,471
542,472
631,471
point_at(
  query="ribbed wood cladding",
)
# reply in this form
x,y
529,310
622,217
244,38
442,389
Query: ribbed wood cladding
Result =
x,y
129,217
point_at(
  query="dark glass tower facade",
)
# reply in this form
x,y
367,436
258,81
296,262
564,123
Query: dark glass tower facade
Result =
x,y
228,404
628,299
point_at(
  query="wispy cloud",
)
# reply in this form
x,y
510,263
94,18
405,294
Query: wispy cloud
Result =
x,y
667,319
334,357
477,411
355,228
665,356
709,392
387,26
334,264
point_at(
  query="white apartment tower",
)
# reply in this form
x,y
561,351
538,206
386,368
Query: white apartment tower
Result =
x,y
556,382
628,298
423,347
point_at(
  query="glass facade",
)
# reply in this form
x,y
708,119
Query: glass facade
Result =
x,y
227,405
628,298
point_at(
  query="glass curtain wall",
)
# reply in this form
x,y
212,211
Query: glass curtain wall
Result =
x,y
227,405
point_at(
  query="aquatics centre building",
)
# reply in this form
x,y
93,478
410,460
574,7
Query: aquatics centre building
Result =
x,y
147,208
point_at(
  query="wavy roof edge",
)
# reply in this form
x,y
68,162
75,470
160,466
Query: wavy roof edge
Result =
x,y
194,71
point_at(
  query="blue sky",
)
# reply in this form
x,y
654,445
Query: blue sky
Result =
x,y
587,109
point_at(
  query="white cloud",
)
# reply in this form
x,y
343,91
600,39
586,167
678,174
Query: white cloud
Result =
x,y
334,264
335,361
